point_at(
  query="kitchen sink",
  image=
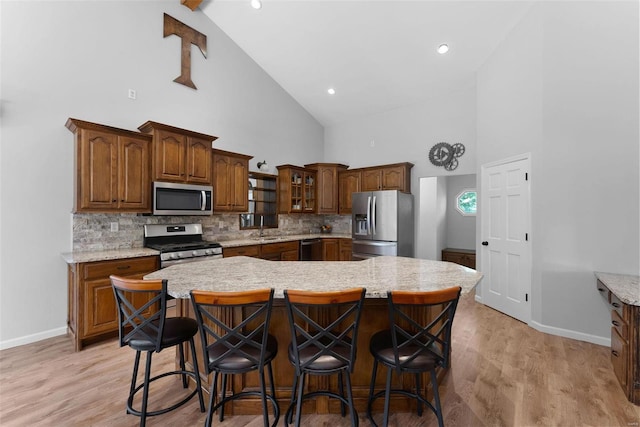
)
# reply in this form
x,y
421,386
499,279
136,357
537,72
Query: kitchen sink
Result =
x,y
266,239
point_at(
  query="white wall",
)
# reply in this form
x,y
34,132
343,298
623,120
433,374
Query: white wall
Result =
x,y
406,135
564,86
78,59
432,216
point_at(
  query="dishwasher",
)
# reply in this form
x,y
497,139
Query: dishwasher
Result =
x,y
311,250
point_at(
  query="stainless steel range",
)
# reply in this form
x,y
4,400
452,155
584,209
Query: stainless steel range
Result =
x,y
180,243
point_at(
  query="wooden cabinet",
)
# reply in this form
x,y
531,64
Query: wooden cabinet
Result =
x,y
625,342
180,155
345,247
327,186
92,313
263,202
387,177
330,250
349,182
112,169
281,251
296,190
466,257
250,250
230,181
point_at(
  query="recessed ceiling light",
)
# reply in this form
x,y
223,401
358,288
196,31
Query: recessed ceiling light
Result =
x,y
443,48
256,4
331,91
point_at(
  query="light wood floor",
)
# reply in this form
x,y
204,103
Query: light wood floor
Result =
x,y
503,374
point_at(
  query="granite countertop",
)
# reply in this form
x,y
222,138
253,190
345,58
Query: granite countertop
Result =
x,y
91,256
625,287
377,275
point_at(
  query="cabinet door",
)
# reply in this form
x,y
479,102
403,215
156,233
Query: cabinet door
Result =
x,y
619,357
252,251
169,156
291,255
239,187
330,250
221,183
198,161
393,178
309,192
349,183
327,185
134,183
97,171
345,246
100,313
371,180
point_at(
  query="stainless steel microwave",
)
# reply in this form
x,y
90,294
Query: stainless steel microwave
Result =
x,y
170,198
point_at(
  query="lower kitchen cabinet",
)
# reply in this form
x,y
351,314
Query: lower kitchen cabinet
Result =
x,y
466,257
330,250
625,342
92,313
281,251
345,246
251,250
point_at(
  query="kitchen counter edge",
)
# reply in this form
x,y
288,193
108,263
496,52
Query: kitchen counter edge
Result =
x,y
624,286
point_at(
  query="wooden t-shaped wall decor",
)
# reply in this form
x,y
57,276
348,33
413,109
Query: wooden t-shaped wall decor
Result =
x,y
189,36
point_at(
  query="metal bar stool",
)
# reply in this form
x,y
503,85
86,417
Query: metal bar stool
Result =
x,y
411,346
234,328
323,350
143,326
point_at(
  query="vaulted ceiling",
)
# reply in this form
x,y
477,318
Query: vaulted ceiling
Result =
x,y
377,55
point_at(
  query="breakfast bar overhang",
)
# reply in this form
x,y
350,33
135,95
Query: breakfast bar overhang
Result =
x,y
378,275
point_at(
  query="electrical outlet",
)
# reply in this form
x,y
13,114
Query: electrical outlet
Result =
x,y
132,94
114,226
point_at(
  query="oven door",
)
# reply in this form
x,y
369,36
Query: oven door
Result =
x,y
170,262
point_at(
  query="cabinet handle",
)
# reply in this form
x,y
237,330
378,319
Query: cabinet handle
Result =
x,y
615,353
124,267
615,323
600,290
114,200
615,304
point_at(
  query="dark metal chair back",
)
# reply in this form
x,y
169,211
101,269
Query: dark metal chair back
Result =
x,y
336,340
234,336
413,338
140,325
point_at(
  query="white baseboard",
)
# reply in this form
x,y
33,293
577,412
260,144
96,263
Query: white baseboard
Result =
x,y
28,339
566,333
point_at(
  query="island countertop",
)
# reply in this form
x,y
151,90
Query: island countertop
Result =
x,y
378,275
624,286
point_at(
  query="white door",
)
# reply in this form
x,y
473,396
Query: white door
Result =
x,y
505,219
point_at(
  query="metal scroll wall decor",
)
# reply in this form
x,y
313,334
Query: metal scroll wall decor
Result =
x,y
189,36
445,154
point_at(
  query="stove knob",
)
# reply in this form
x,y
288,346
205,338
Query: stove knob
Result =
x,y
173,256
179,255
208,252
194,253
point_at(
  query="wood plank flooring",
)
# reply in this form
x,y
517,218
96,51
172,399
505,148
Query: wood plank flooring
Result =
x,y
503,374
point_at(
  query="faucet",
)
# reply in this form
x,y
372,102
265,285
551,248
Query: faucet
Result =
x,y
261,225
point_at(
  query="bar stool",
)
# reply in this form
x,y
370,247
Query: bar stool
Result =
x,y
234,328
323,350
144,327
410,346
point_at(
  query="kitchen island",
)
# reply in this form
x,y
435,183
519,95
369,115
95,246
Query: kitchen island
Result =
x,y
377,275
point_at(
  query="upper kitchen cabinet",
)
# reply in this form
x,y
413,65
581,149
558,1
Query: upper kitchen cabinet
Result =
x,y
180,155
230,181
388,177
296,189
349,182
327,188
112,169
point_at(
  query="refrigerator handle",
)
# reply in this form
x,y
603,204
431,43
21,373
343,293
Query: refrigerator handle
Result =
x,y
368,215
373,215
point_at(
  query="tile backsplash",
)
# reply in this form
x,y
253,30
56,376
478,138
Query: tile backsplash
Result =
x,y
92,232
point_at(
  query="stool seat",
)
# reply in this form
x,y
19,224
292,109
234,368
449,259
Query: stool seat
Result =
x,y
175,329
381,344
244,361
308,356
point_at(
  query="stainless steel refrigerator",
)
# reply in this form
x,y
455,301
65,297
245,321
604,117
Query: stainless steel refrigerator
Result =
x,y
382,224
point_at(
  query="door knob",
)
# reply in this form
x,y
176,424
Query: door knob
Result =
x,y
485,243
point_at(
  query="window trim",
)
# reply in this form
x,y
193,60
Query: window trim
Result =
x,y
457,202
